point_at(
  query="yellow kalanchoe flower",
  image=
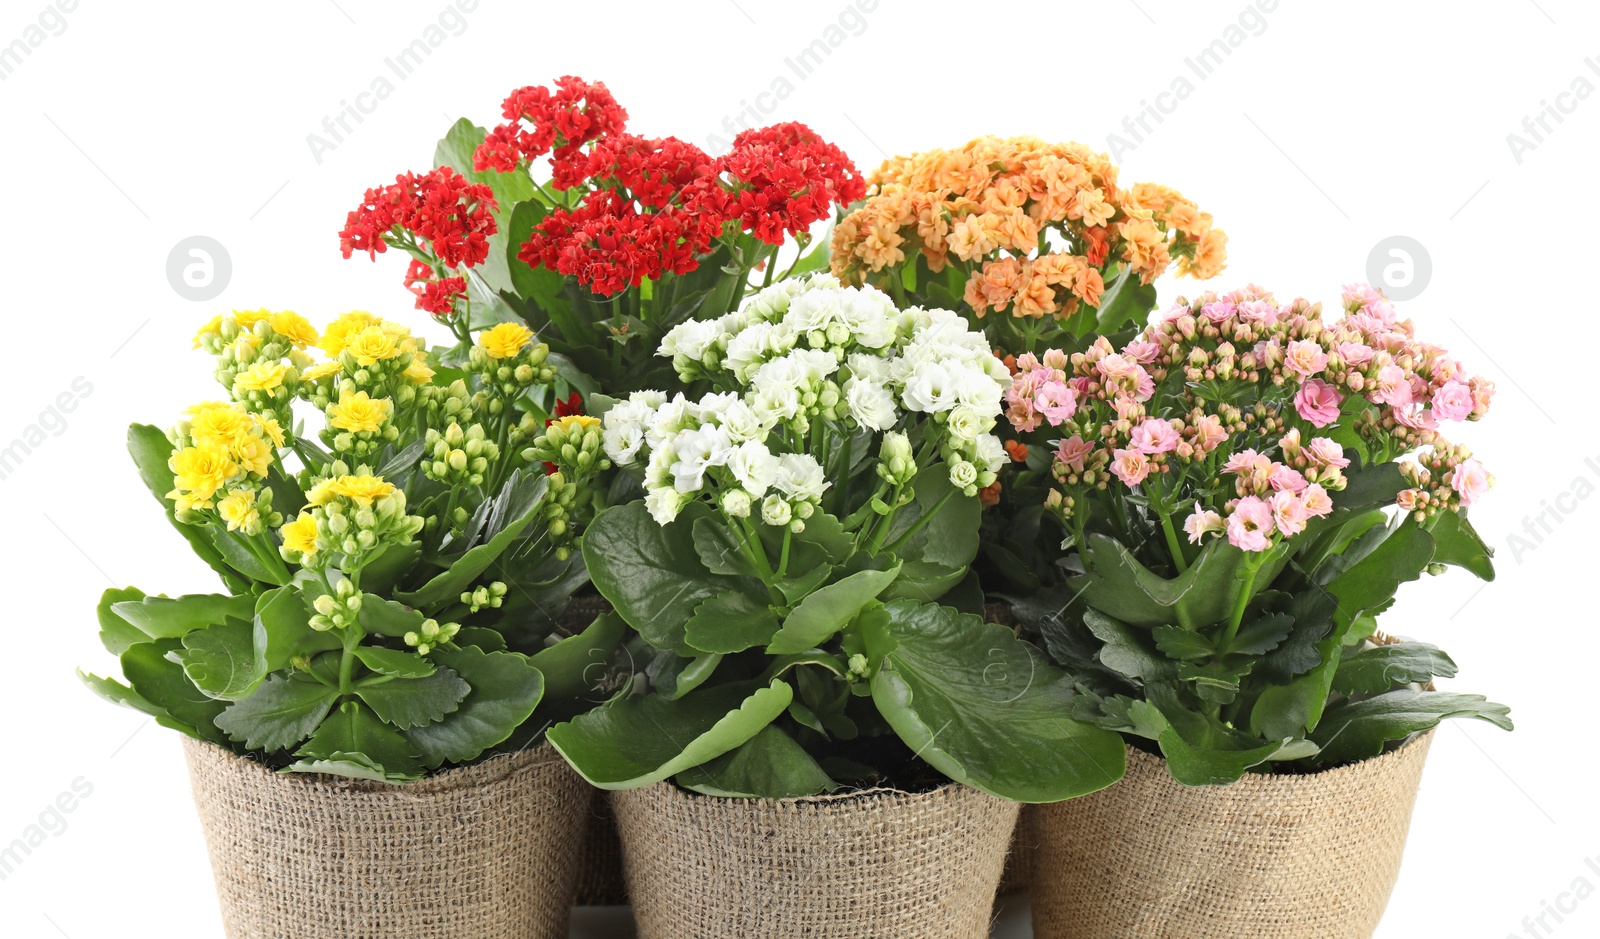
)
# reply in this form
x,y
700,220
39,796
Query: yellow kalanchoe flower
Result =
x,y
361,489
273,430
220,425
213,327
262,376
198,473
247,319
238,510
321,370
340,331
575,423
301,535
418,372
372,345
321,494
294,327
359,412
253,454
505,340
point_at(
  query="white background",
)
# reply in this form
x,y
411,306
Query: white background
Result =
x,y
1331,128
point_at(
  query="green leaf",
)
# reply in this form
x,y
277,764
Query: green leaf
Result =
x,y
1209,766
539,284
1459,544
1126,651
1119,585
387,618
282,631
1261,636
672,676
1180,643
827,532
482,637
163,683
284,711
983,707
350,765
719,548
505,690
950,539
116,633
176,617
575,665
415,702
1125,302
464,570
1382,668
730,622
652,573
821,615
355,730
1300,669
797,588
769,765
1402,555
638,740
1359,730
151,451
394,663
232,546
221,660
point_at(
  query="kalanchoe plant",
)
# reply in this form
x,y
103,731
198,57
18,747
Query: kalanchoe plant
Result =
x,y
599,239
366,624
1302,461
1040,232
798,568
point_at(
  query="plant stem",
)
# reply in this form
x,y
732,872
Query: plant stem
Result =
x,y
923,521
783,556
1246,590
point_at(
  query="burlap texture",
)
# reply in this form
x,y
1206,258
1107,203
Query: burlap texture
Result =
x,y
1018,875
873,865
600,881
1268,857
483,852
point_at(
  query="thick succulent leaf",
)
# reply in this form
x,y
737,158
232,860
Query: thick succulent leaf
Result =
x,y
575,665
282,630
116,633
415,702
732,621
353,734
285,710
394,662
1119,585
820,616
516,508
638,740
1359,730
176,617
770,765
1129,652
1460,545
506,688
221,660
983,707
1384,668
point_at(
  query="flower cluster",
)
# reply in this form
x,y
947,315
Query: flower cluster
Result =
x,y
439,215
655,206
1246,408
800,359
221,454
1034,227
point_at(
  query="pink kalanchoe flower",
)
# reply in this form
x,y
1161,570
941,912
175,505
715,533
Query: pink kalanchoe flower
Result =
x,y
1240,462
1414,417
1317,501
1130,466
1289,512
1114,366
1250,526
1073,451
1318,402
1202,522
1217,310
1356,354
1393,387
1258,311
1285,478
1056,402
1356,296
1470,481
1305,358
1324,452
1142,352
1209,432
1407,499
1154,436
1453,401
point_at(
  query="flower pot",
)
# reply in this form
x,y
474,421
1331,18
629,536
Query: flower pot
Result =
x,y
1311,856
484,851
879,863
600,881
1018,876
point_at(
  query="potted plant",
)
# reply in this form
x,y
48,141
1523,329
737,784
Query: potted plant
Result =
x,y
365,694
821,721
1242,489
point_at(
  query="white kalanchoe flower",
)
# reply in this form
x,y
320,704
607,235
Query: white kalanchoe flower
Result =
x,y
801,477
754,467
775,511
870,404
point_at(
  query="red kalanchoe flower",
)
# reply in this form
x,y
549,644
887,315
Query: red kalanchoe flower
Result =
x,y
609,245
434,294
449,214
573,404
559,123
786,178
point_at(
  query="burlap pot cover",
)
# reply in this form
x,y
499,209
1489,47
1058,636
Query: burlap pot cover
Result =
x,y
600,880
873,865
483,852
1269,857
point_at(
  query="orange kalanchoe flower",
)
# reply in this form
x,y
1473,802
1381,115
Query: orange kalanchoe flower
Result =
x,y
1036,228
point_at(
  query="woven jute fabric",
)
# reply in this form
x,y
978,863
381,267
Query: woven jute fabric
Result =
x,y
1018,875
483,852
600,881
1269,857
879,864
